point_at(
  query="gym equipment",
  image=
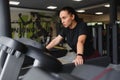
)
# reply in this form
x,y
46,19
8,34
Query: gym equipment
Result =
x,y
16,52
56,52
29,61
71,73
14,62
39,74
82,72
50,68
14,59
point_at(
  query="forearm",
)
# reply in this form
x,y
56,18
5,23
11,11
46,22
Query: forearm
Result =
x,y
51,44
80,44
54,42
80,48
79,57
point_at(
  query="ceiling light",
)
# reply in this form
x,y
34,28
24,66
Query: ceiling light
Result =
x,y
77,0
99,23
14,3
91,23
51,7
118,22
107,5
99,13
81,11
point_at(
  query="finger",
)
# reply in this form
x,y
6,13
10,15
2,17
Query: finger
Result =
x,y
81,61
74,61
77,62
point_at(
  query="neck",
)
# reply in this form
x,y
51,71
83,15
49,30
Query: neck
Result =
x,y
73,25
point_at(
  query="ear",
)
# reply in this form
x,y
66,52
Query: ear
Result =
x,y
73,16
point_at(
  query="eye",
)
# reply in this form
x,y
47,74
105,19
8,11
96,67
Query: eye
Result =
x,y
64,17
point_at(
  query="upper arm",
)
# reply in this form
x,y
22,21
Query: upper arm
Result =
x,y
82,38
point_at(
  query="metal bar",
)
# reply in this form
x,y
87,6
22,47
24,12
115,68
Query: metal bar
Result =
x,y
5,29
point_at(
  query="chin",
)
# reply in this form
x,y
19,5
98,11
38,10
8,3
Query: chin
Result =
x,y
66,26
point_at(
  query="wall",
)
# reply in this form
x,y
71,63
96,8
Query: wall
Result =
x,y
96,18
35,26
53,24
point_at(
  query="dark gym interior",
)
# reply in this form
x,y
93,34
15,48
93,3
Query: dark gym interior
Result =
x,y
28,26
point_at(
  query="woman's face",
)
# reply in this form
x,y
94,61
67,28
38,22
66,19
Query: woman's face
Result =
x,y
66,18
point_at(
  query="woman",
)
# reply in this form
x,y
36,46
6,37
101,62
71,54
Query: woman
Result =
x,y
76,34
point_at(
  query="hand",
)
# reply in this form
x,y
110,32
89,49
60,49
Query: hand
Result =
x,y
78,60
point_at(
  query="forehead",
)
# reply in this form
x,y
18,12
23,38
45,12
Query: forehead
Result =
x,y
63,13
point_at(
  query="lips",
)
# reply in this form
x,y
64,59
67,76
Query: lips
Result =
x,y
63,24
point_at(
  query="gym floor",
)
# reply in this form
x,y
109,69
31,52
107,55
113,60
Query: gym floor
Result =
x,y
69,56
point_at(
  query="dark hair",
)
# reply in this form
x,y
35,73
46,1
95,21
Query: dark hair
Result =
x,y
71,11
